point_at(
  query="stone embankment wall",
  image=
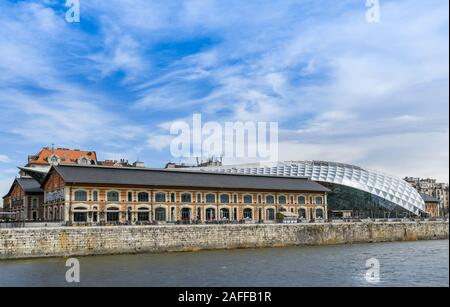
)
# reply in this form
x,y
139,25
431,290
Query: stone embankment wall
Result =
x,y
77,241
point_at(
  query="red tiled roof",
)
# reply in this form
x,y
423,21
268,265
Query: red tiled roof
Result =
x,y
67,156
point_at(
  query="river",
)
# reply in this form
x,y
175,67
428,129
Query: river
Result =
x,y
419,263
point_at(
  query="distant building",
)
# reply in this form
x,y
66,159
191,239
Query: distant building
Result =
x,y
431,205
24,200
431,187
51,156
211,162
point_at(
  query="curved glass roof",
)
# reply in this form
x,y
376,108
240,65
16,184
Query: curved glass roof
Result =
x,y
387,187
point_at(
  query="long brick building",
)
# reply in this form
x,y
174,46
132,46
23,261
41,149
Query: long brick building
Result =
x,y
110,195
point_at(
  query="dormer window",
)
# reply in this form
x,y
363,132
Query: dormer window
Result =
x,y
53,159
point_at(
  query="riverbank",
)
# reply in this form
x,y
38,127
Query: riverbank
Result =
x,y
84,241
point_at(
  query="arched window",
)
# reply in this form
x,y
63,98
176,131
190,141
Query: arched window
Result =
x,y
302,213
143,197
210,198
112,214
160,197
112,196
270,214
143,214
248,213
319,213
319,200
301,200
80,196
80,215
160,214
225,198
210,214
270,199
186,198
248,199
282,200
225,214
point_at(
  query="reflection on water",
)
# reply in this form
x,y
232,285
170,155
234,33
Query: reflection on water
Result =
x,y
423,263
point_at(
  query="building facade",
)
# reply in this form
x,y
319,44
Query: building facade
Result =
x,y
105,195
24,200
431,187
431,205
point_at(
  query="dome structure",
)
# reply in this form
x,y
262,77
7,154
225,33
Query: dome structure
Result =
x,y
394,191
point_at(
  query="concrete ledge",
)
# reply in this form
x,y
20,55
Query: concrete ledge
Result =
x,y
83,241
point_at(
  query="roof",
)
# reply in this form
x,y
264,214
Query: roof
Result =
x,y
67,156
28,185
428,198
73,174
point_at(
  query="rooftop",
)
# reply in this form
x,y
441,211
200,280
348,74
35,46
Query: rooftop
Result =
x,y
74,174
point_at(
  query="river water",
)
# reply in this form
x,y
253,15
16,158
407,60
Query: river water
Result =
x,y
422,263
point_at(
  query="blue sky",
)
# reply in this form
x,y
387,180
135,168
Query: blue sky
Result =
x,y
342,89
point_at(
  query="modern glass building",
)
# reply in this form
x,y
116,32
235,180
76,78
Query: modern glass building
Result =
x,y
366,192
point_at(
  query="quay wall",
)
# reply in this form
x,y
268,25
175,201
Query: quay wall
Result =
x,y
80,241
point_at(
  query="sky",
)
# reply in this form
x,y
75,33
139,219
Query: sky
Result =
x,y
341,88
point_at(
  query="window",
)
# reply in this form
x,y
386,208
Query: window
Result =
x,y
80,217
319,213
143,214
319,200
186,198
224,214
199,198
80,196
210,214
248,199
210,198
270,214
130,196
270,199
160,197
94,215
225,199
302,213
160,214
143,197
282,200
113,196
95,196
301,200
248,213
112,215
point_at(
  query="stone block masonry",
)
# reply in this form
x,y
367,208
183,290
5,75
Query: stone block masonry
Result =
x,y
83,241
